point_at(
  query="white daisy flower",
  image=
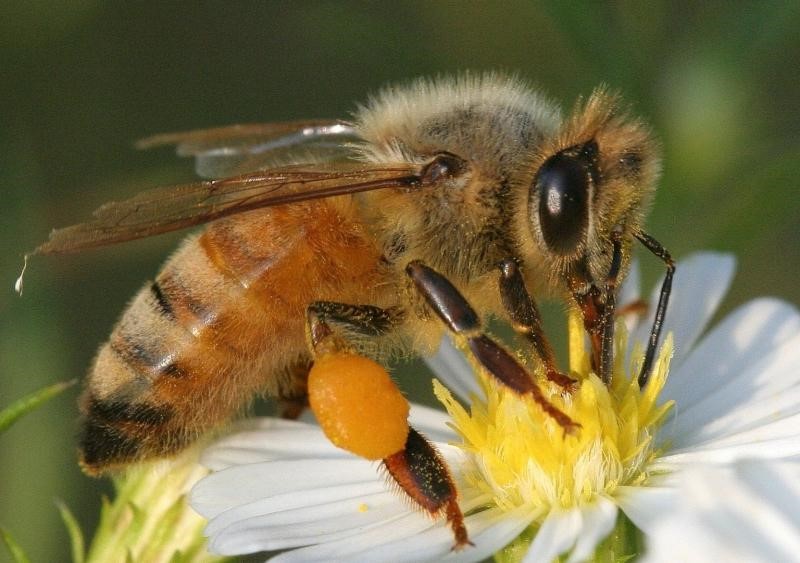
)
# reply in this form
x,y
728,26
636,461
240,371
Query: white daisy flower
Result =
x,y
527,491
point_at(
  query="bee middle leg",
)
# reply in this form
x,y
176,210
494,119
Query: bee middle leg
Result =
x,y
525,320
417,468
293,400
459,316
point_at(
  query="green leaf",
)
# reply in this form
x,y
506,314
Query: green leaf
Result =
x,y
23,406
13,547
75,533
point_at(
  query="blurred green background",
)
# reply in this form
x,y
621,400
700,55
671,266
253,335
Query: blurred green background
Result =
x,y
81,80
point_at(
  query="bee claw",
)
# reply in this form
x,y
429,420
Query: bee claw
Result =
x,y
564,381
572,429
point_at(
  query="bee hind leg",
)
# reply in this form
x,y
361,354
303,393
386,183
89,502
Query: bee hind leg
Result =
x,y
459,316
422,474
412,462
324,317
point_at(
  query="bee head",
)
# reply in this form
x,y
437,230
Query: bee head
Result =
x,y
590,183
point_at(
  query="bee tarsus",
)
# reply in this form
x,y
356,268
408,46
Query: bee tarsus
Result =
x,y
526,320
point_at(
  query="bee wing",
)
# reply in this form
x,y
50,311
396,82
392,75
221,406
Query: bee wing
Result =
x,y
170,208
236,149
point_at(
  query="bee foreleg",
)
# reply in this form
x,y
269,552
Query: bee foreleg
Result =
x,y
607,339
661,309
461,318
598,308
421,472
525,320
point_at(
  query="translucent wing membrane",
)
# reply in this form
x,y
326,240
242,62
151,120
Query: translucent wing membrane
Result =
x,y
236,149
165,209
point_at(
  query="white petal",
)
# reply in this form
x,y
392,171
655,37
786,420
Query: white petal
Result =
x,y
749,511
556,535
490,531
643,505
700,283
432,423
365,499
738,447
747,335
757,394
300,501
757,423
243,484
778,484
450,366
598,521
368,541
418,538
243,530
263,439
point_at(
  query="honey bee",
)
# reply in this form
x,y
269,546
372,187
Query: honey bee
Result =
x,y
438,196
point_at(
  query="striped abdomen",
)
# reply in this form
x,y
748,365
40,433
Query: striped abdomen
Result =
x,y
223,321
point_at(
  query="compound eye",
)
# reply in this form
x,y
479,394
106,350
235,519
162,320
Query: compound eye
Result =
x,y
444,165
563,186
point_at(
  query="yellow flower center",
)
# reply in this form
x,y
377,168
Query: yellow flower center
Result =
x,y
520,456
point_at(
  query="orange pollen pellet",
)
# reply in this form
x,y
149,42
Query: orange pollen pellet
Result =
x,y
358,406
